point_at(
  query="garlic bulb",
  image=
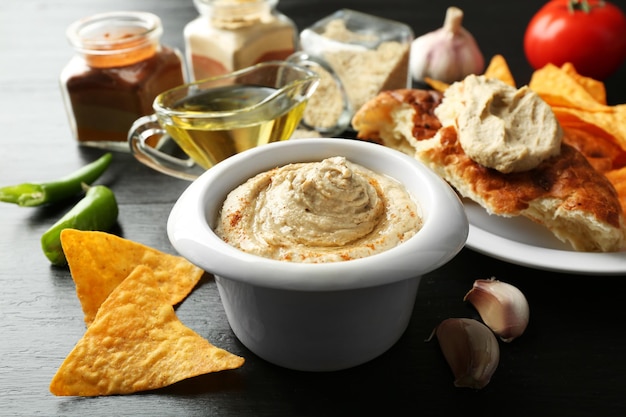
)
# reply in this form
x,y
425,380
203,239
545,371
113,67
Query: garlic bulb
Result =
x,y
471,350
502,306
447,54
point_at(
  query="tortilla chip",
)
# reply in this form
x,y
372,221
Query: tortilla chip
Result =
x,y
137,343
436,84
612,122
499,69
99,261
600,149
558,88
595,88
578,100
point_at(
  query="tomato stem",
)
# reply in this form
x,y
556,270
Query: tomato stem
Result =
x,y
582,5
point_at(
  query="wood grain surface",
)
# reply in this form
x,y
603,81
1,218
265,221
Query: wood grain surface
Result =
x,y
570,362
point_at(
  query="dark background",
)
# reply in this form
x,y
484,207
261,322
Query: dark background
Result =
x,y
570,362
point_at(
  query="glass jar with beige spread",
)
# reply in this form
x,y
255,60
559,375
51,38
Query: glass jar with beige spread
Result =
x,y
314,212
233,34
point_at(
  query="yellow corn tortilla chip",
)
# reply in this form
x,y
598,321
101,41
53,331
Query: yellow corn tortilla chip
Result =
x,y
612,122
599,148
136,343
100,261
580,102
436,84
595,88
499,69
558,88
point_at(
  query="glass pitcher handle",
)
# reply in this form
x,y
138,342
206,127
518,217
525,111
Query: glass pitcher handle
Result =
x,y
163,155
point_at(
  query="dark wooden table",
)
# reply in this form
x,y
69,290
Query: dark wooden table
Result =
x,y
570,362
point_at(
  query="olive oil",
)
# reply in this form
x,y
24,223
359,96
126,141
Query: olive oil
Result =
x,y
247,120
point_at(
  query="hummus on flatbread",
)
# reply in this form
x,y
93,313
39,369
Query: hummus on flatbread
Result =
x,y
499,126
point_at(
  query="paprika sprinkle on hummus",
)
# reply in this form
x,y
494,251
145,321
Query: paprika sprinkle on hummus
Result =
x,y
314,212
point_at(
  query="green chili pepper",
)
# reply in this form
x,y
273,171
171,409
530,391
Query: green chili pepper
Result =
x,y
96,211
33,194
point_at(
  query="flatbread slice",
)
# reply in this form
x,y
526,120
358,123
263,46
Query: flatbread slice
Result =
x,y
565,194
399,118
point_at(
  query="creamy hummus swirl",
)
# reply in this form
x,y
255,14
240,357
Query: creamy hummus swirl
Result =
x,y
327,211
499,126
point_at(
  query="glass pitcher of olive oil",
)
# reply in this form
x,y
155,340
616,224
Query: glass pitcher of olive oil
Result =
x,y
212,119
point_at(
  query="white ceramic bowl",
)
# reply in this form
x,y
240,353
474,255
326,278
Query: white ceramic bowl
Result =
x,y
318,317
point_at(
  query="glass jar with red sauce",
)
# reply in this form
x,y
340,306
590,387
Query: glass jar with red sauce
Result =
x,y
119,68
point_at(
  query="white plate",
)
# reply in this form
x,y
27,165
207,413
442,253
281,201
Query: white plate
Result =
x,y
520,241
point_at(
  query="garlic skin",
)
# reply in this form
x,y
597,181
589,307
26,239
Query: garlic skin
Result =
x,y
447,54
471,350
502,306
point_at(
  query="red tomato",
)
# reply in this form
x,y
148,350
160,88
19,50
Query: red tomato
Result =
x,y
593,40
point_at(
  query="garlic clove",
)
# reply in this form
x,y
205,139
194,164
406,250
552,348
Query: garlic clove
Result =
x,y
447,54
502,306
471,350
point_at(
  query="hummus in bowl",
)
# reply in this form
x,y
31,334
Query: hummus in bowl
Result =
x,y
320,316
316,212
